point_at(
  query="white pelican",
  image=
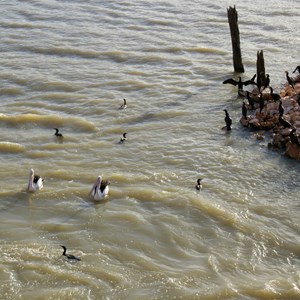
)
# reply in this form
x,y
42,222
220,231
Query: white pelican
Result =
x,y
35,182
100,189
124,105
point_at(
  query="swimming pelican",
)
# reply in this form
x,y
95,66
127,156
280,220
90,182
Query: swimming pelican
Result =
x,y
35,182
100,189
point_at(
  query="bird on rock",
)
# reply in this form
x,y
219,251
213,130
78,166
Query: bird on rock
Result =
x,y
239,83
289,79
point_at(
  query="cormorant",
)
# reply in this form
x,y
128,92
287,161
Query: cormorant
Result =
x,y
35,182
284,123
239,83
289,79
250,101
100,189
297,69
280,108
199,184
267,81
274,96
294,137
123,138
124,105
244,110
57,133
69,256
228,120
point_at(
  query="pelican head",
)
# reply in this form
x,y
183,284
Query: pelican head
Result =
x,y
100,189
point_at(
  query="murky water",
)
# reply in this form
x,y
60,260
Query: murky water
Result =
x,y
69,65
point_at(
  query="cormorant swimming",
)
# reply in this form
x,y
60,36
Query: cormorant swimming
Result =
x,y
124,105
57,133
244,110
123,138
100,189
294,137
35,182
228,120
289,79
199,184
69,256
297,69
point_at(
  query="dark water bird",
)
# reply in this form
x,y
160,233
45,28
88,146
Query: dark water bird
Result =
x,y
124,105
294,137
289,79
100,189
250,101
297,69
69,256
284,122
244,110
199,184
273,95
57,133
239,83
228,120
123,138
280,108
35,182
267,81
261,102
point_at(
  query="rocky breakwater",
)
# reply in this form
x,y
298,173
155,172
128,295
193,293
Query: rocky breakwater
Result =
x,y
278,114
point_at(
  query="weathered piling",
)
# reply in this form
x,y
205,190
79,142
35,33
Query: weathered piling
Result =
x,y
260,69
235,39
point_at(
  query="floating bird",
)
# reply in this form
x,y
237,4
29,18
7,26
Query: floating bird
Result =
x,y
297,69
289,79
250,101
274,96
35,182
57,133
69,256
239,83
284,123
124,105
261,102
123,138
267,81
199,184
100,189
228,120
280,108
294,137
244,110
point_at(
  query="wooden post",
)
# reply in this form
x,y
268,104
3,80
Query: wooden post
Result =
x,y
260,69
235,39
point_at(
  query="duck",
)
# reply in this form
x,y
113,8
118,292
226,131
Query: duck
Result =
x,y
123,138
57,133
124,105
199,184
35,182
100,189
69,256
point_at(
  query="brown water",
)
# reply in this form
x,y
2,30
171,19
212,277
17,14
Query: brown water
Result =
x,y
70,64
